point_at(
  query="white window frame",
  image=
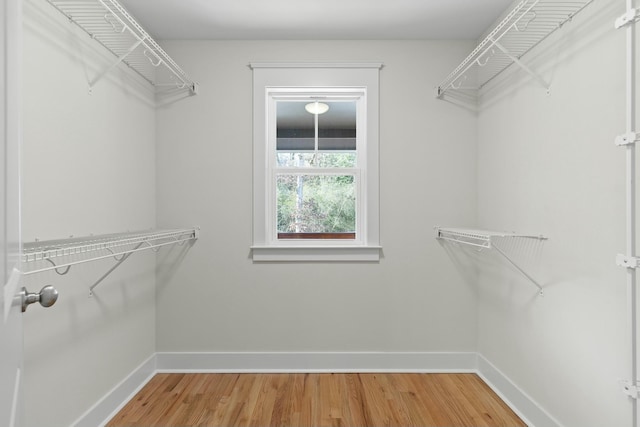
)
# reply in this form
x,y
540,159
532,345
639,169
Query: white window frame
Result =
x,y
275,95
277,81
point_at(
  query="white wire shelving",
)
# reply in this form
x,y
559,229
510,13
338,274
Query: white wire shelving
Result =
x,y
107,22
484,239
523,28
60,255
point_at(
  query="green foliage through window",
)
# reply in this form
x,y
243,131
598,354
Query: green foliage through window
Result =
x,y
316,203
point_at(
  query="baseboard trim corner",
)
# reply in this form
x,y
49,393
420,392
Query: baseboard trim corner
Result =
x,y
100,413
520,402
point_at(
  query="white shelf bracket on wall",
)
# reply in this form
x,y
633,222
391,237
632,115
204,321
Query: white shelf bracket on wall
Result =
x,y
107,22
631,389
627,261
627,139
119,59
523,28
630,17
524,67
483,239
60,255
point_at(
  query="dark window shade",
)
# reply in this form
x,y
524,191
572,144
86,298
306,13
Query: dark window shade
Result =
x,y
304,140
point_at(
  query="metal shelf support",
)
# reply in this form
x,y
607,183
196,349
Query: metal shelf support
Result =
x,y
485,240
524,67
523,28
121,58
109,23
70,252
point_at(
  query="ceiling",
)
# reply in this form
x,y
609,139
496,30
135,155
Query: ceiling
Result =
x,y
316,19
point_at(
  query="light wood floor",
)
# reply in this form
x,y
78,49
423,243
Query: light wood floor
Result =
x,y
297,400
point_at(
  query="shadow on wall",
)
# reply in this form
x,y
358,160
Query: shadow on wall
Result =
x,y
42,19
477,265
466,99
78,314
168,262
168,97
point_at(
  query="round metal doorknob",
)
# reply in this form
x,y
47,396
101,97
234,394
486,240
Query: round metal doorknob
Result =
x,y
46,297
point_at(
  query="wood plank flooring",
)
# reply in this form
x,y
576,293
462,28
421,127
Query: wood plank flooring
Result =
x,y
297,400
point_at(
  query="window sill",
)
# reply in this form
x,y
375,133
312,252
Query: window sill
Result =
x,y
316,253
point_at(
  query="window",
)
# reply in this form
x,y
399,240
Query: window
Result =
x,y
315,163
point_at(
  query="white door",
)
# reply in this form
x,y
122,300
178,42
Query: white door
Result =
x,y
10,244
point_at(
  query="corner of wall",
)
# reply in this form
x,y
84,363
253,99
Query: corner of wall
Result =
x,y
103,410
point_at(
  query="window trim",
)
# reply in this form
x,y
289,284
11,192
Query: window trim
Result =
x,y
277,94
277,78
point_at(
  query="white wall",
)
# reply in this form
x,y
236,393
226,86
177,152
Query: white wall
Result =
x,y
543,164
548,165
88,167
218,300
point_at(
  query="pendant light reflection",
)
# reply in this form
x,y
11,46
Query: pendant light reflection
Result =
x,y
316,107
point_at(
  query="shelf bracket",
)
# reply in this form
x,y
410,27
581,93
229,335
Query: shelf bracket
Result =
x,y
631,389
627,261
116,265
115,64
484,240
630,17
517,61
517,267
627,139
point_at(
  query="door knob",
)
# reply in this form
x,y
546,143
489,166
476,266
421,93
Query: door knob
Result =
x,y
46,297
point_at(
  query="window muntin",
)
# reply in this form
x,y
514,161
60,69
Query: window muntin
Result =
x,y
315,170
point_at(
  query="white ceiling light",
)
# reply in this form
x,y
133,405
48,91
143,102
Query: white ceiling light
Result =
x,y
316,107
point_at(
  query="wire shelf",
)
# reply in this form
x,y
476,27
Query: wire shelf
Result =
x,y
523,28
479,238
107,22
74,251
484,239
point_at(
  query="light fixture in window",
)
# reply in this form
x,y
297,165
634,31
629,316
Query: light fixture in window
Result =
x,y
316,107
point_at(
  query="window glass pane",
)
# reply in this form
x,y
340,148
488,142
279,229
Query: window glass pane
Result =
x,y
316,203
337,127
295,127
296,131
336,160
316,160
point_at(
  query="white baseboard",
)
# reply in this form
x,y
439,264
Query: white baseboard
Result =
x,y
100,413
521,403
469,362
316,362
